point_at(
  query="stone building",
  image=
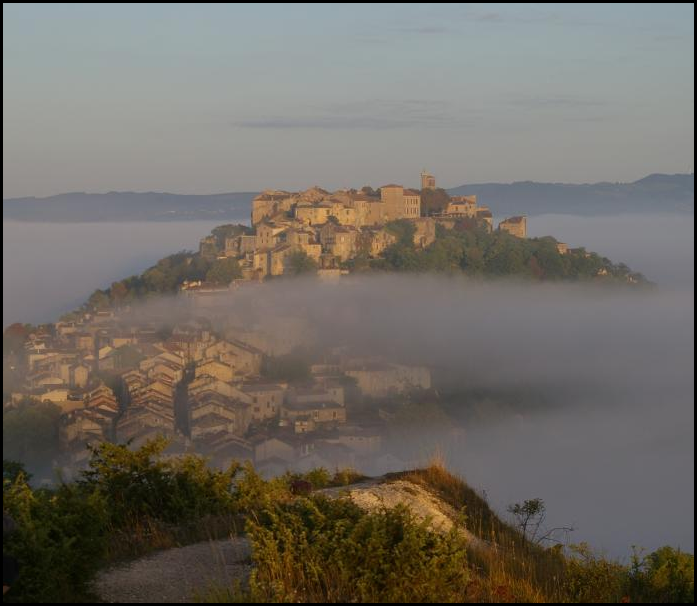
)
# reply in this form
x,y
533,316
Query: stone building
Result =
x,y
427,181
516,226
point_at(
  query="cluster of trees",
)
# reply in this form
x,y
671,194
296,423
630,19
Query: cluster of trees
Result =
x,y
433,201
169,273
30,433
471,249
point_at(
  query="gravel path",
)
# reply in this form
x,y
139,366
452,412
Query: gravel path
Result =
x,y
177,575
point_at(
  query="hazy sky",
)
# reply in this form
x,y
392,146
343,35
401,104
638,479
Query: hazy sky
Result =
x,y
210,98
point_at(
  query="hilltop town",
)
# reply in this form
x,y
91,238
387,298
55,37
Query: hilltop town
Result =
x,y
332,228
218,385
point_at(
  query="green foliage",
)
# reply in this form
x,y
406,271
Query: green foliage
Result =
x,y
163,278
404,230
529,516
11,470
319,478
475,252
140,484
591,578
306,549
299,263
666,576
433,201
60,541
322,550
224,271
30,432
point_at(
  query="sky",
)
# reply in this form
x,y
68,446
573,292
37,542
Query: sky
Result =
x,y
230,97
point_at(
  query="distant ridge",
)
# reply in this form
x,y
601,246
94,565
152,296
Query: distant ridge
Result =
x,y
653,194
129,206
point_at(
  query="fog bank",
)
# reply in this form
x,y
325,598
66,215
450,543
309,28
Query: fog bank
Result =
x,y
611,449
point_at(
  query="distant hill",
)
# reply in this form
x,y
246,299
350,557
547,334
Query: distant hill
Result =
x,y
129,206
655,193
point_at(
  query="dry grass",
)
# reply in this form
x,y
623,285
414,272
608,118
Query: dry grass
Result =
x,y
145,536
512,569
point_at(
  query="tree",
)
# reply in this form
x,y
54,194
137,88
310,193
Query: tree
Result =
x,y
433,201
118,292
530,516
224,271
404,230
299,263
30,432
223,232
98,300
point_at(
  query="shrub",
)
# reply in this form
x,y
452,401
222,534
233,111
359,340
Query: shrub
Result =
x,y
60,541
138,484
665,576
591,578
325,550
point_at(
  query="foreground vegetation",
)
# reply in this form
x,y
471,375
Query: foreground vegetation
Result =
x,y
306,547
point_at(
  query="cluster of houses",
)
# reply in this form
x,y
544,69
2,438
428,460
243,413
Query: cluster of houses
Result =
x,y
208,394
333,227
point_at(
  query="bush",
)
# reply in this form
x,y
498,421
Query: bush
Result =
x,y
591,578
665,576
322,550
60,541
138,484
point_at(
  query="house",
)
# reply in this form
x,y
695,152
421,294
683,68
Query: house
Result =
x,y
319,412
265,398
277,259
216,369
244,358
461,206
268,235
210,413
339,240
329,392
282,444
516,226
145,420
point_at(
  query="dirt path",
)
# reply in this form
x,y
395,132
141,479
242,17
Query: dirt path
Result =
x,y
176,575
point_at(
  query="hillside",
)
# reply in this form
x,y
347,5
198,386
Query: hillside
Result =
x,y
414,536
654,193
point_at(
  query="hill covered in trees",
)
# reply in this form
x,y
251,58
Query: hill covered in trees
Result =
x,y
467,249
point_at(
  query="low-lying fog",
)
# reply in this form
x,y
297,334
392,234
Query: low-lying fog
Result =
x,y
610,451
